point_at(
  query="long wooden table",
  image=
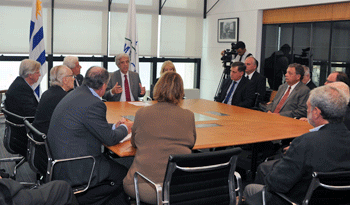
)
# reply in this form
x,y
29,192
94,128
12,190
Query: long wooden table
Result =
x,y
232,125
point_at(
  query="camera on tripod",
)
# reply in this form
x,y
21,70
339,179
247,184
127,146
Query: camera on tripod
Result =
x,y
227,58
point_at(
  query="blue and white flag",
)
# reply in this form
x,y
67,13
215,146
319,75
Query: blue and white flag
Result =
x,y
36,41
131,41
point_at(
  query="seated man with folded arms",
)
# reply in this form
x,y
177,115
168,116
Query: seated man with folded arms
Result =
x,y
125,85
237,90
257,80
291,97
325,149
61,81
20,97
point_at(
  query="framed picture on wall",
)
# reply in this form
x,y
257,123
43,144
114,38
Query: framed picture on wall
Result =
x,y
228,30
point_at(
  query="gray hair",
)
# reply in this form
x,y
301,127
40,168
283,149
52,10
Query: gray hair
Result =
x,y
119,56
306,70
95,77
343,87
28,66
70,61
57,73
331,101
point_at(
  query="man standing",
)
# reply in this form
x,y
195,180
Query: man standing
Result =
x,y
20,97
78,127
242,53
307,78
125,85
291,97
237,90
257,80
72,62
324,149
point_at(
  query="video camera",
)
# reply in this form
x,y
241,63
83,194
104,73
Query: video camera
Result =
x,y
227,58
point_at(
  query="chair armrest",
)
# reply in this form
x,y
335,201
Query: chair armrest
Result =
x,y
239,187
157,186
54,162
277,193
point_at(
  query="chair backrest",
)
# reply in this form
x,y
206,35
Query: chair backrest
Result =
x,y
38,152
329,188
201,178
15,138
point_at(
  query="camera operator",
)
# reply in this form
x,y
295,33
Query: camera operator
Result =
x,y
240,53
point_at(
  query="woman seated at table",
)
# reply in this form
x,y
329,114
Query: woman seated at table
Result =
x,y
158,131
167,66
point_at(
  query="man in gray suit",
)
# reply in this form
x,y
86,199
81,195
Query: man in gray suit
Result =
x,y
291,97
124,85
78,127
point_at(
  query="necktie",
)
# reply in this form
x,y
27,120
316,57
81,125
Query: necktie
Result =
x,y
240,58
229,93
76,82
282,101
126,87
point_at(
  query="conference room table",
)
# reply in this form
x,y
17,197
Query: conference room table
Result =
x,y
218,125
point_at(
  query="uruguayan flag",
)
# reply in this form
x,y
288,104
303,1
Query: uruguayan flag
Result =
x,y
131,42
36,41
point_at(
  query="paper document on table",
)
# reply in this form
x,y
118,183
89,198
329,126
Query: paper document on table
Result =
x,y
128,137
137,103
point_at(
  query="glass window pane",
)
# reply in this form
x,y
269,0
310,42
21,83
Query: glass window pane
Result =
x,y
341,41
301,47
185,70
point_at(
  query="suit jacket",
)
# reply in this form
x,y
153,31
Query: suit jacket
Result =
x,y
326,150
79,127
169,127
47,104
311,85
295,106
243,96
20,98
80,79
134,81
258,82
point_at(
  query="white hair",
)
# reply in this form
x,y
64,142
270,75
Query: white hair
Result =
x,y
27,67
70,61
119,56
57,73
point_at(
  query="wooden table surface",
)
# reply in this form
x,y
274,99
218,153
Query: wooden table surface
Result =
x,y
240,126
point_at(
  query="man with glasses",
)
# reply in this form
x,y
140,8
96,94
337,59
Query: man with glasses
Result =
x,y
20,97
72,62
61,82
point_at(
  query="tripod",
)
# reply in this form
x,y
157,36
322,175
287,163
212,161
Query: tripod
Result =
x,y
225,74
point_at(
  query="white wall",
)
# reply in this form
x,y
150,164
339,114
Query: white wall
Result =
x,y
249,13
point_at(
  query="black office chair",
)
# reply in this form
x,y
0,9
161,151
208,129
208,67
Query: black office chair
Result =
x,y
41,161
15,138
201,178
325,188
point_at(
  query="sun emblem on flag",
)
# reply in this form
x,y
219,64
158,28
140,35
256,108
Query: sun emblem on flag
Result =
x,y
38,8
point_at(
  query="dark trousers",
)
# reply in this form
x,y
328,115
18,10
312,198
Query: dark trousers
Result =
x,y
109,191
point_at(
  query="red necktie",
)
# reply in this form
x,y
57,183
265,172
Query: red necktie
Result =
x,y
126,87
282,101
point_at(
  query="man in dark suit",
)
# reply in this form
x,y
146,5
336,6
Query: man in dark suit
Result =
x,y
125,85
257,80
307,78
72,62
61,81
78,127
20,97
324,149
237,90
291,97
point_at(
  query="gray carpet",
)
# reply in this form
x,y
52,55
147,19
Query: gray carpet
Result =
x,y
24,173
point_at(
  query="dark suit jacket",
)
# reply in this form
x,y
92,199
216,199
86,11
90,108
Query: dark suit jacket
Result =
x,y
311,85
295,106
20,98
243,96
325,150
79,127
80,79
134,81
258,82
47,104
